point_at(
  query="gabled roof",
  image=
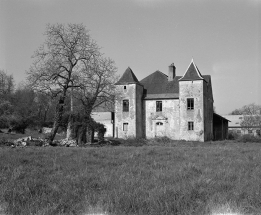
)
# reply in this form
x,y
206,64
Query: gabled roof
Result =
x,y
192,73
128,77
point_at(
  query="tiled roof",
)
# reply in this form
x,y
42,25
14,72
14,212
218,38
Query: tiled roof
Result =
x,y
192,73
128,77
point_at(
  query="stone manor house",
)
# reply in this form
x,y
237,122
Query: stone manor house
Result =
x,y
178,107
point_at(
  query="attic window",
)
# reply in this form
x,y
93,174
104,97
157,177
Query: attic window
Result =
x,y
124,87
190,104
159,123
125,105
158,106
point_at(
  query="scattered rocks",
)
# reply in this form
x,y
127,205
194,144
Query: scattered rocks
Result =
x,y
67,143
29,141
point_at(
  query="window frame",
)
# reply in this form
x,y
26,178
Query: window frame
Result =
x,y
190,103
125,105
191,126
125,126
158,106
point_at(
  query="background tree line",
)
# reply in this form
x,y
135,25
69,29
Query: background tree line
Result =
x,y
251,116
22,107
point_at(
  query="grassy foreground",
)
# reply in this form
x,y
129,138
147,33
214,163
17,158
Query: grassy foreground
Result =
x,y
182,178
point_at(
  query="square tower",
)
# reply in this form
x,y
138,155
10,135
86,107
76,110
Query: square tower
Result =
x,y
128,107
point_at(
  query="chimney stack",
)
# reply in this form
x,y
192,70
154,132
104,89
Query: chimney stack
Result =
x,y
172,72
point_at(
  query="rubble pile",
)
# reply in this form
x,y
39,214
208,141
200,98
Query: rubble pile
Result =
x,y
29,141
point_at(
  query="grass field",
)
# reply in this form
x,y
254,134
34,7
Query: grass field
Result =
x,y
176,178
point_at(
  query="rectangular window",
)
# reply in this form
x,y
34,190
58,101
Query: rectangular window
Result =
x,y
239,131
190,104
125,126
190,126
250,131
258,132
158,106
125,105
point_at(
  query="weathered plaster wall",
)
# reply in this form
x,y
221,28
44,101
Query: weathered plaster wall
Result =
x,y
169,117
139,112
191,89
208,111
133,93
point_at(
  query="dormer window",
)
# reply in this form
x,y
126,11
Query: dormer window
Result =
x,y
158,106
190,104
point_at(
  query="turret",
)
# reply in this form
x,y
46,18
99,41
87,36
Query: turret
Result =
x,y
191,96
128,106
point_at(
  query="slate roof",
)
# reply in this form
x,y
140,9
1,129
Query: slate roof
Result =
x,y
157,85
128,77
192,73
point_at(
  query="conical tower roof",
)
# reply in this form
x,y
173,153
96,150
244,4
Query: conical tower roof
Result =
x,y
128,77
192,73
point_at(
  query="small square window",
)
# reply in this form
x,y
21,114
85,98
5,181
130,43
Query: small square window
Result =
x,y
158,106
190,126
190,104
239,131
125,126
125,104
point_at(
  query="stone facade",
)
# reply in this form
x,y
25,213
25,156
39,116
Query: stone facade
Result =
x,y
177,107
128,124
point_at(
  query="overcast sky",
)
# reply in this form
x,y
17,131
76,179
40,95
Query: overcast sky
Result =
x,y
222,36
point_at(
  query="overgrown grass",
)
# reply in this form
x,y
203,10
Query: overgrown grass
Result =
x,y
182,178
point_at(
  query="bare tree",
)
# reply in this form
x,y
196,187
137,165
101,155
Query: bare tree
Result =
x,y
57,63
251,117
96,88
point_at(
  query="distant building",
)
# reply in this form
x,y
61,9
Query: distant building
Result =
x,y
178,107
235,125
107,119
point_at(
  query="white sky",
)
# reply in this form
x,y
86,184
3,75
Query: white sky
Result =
x,y
223,37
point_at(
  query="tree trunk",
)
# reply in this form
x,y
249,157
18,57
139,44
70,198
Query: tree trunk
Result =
x,y
69,132
58,118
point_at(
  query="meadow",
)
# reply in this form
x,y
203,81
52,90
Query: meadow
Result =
x,y
152,178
